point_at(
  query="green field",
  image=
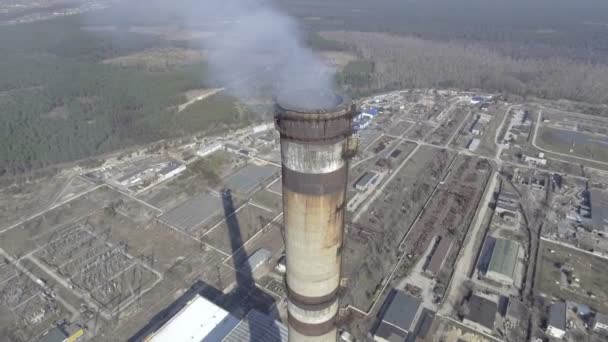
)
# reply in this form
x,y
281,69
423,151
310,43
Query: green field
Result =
x,y
590,271
575,144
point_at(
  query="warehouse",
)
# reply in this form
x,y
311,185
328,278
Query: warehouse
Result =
x,y
503,261
206,150
199,320
368,179
556,326
599,209
399,317
171,169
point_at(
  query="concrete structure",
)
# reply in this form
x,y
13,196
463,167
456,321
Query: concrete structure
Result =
x,y
200,320
601,324
503,261
399,317
315,129
599,209
556,325
366,180
481,314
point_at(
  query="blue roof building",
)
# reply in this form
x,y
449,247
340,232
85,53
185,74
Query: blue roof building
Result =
x,y
373,111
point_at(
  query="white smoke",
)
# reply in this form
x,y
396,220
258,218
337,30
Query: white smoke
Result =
x,y
252,46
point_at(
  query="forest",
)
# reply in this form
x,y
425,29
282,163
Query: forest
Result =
x,y
59,103
408,63
576,30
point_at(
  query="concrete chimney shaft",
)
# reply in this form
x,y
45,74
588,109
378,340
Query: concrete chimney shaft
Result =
x,y
314,128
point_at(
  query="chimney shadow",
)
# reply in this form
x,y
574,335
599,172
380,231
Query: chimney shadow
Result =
x,y
246,296
199,287
245,301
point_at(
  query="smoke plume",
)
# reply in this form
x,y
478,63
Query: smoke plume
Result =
x,y
251,45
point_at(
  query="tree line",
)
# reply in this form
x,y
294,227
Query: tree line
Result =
x,y
407,62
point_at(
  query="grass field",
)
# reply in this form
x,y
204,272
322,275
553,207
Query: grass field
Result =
x,y
576,144
590,271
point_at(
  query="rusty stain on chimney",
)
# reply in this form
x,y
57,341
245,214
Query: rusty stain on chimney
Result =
x,y
315,128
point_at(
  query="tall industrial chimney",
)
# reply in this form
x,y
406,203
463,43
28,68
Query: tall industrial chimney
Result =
x,y
315,130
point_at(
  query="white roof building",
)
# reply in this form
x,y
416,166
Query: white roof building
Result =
x,y
203,321
200,320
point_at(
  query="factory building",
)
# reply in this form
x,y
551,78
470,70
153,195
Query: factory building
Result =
x,y
368,179
503,261
599,209
556,325
206,150
173,168
399,317
315,129
200,320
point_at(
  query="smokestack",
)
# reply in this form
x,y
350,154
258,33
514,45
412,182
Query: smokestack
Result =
x,y
315,128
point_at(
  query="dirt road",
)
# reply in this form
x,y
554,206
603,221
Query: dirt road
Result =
x,y
467,259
